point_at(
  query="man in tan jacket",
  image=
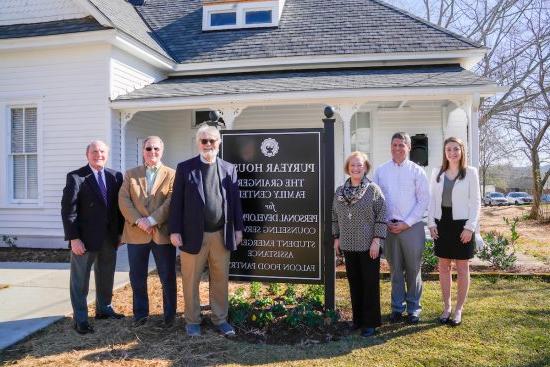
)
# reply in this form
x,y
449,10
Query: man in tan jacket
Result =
x,y
144,200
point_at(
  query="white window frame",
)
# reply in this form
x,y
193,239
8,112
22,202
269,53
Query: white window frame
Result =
x,y
240,9
371,150
7,199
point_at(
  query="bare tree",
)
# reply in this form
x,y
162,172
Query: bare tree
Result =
x,y
490,150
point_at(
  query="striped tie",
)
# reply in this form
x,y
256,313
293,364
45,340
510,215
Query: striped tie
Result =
x,y
102,187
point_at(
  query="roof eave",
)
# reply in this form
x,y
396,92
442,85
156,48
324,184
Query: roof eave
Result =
x,y
282,98
466,58
57,40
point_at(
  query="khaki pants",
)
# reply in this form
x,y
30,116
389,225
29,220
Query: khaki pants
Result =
x,y
214,252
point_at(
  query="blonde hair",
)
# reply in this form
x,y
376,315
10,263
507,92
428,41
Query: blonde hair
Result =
x,y
357,154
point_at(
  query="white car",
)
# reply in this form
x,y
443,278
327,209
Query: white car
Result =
x,y
495,198
518,198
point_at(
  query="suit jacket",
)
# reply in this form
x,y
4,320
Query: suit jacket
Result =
x,y
466,199
85,214
135,203
187,205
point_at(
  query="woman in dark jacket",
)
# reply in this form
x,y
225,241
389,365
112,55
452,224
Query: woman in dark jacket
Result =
x,y
358,225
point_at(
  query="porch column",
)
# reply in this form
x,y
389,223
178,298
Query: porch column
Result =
x,y
229,114
346,112
125,117
474,130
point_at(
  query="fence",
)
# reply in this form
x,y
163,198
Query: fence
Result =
x,y
544,211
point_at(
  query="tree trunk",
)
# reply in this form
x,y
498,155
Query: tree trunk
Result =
x,y
537,188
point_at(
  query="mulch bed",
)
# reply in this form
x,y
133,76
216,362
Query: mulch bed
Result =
x,y
34,255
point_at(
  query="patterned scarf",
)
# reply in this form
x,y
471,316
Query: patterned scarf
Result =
x,y
349,195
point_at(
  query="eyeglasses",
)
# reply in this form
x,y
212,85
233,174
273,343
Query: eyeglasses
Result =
x,y
206,141
151,148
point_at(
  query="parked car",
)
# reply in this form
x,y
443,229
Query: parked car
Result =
x,y
518,198
545,198
495,198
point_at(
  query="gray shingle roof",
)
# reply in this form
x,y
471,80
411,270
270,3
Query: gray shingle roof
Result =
x,y
313,80
307,28
125,18
50,28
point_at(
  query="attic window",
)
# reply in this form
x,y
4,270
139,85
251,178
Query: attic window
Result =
x,y
258,17
234,14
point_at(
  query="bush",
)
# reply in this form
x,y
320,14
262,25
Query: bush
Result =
x,y
9,240
429,260
498,250
255,289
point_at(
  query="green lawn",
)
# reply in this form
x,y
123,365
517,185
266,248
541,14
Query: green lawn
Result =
x,y
505,323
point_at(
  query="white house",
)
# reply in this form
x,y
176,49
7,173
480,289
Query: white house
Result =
x,y
76,70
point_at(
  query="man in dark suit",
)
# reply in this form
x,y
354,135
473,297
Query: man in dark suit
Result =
x,y
93,225
206,224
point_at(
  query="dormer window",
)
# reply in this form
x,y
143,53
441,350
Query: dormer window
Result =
x,y
234,14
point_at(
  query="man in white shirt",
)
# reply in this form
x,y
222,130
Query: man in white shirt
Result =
x,y
405,187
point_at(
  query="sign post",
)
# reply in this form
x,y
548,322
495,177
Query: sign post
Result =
x,y
328,192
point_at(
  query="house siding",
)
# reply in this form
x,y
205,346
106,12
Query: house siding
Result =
x,y
36,11
70,86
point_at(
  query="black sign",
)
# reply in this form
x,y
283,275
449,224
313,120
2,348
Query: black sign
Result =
x,y
280,189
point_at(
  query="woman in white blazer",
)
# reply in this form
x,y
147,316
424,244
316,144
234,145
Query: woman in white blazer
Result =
x,y
453,216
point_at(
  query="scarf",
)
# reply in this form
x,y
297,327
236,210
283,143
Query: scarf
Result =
x,y
349,195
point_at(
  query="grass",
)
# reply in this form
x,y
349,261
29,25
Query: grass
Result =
x,y
505,323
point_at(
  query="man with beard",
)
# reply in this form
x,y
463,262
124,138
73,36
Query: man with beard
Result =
x,y
206,224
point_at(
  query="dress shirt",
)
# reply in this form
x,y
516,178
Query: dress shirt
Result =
x,y
102,175
151,175
405,187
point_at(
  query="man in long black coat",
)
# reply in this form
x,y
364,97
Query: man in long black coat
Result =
x,y
93,225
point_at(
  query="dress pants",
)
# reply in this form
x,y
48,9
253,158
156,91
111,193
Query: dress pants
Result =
x,y
165,260
363,275
404,254
104,262
214,252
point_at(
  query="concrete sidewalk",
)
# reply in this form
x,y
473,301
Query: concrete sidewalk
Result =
x,y
38,295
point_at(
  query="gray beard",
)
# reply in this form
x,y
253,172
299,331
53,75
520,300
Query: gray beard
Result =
x,y
210,155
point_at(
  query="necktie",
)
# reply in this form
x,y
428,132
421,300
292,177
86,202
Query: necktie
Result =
x,y
102,187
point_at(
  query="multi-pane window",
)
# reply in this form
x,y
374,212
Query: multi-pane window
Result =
x,y
23,153
361,132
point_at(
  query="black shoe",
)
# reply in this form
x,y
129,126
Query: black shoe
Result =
x,y
140,322
110,314
412,319
396,317
370,331
444,318
83,327
457,320
167,324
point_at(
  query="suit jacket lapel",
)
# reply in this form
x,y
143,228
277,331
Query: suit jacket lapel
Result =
x,y
111,186
142,180
197,177
161,175
221,176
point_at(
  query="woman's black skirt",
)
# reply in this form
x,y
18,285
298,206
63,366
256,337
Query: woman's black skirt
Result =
x,y
448,245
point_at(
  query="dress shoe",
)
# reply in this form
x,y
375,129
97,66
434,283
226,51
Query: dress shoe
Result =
x,y
109,314
457,319
413,319
83,327
395,317
444,318
370,331
140,321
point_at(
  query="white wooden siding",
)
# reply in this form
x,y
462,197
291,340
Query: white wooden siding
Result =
x,y
71,87
129,73
36,11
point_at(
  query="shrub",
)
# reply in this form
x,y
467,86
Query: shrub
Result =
x,y
255,289
9,240
275,288
429,260
498,250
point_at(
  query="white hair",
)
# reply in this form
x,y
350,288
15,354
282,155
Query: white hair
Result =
x,y
207,130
